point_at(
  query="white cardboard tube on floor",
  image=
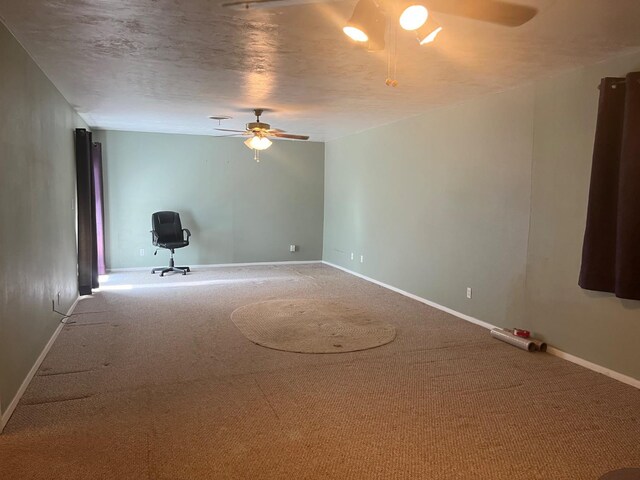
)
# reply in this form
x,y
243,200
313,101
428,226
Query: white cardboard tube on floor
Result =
x,y
510,338
540,345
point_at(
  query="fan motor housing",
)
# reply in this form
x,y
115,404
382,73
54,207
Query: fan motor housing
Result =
x,y
258,126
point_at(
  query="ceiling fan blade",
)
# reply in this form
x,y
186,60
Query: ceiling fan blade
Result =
x,y
256,4
493,11
230,135
291,136
275,130
227,130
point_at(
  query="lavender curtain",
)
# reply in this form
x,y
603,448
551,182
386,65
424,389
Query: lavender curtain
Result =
x,y
611,249
98,199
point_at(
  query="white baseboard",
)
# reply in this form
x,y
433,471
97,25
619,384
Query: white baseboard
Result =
x,y
220,265
552,350
468,318
14,403
634,382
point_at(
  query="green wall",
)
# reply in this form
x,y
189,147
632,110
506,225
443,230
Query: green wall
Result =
x,y
238,210
438,203
489,194
596,326
37,200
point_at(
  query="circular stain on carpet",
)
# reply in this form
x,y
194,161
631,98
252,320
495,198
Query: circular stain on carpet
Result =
x,y
312,326
623,474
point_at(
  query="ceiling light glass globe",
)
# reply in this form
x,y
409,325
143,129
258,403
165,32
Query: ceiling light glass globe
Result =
x,y
263,143
413,17
431,37
355,34
258,143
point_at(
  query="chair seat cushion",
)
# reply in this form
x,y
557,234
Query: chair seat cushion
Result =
x,y
173,244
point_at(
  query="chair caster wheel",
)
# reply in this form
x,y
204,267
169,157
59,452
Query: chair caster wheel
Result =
x,y
184,273
162,274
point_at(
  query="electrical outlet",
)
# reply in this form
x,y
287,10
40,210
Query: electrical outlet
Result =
x,y
142,252
361,258
293,248
58,298
469,292
351,255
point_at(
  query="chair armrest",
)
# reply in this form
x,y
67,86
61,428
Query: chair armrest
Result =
x,y
188,232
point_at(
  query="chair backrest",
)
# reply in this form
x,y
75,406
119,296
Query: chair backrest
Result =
x,y
167,226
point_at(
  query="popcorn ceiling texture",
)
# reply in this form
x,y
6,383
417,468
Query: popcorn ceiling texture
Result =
x,y
161,65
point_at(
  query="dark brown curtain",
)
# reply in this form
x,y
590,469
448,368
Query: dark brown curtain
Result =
x,y
88,158
611,250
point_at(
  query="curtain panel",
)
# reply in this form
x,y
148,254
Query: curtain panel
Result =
x,y
611,249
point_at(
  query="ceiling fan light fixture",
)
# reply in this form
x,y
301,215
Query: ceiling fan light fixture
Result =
x,y
258,143
428,32
355,34
413,17
431,37
367,24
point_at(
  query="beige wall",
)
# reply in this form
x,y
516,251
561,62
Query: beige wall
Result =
x,y
490,194
37,201
238,210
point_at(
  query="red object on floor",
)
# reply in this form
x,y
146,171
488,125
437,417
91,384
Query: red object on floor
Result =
x,y
521,333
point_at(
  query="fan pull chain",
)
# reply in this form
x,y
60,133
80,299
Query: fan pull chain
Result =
x,y
395,58
388,34
393,52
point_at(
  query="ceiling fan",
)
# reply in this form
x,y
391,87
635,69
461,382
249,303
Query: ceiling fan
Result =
x,y
259,133
369,21
371,18
493,11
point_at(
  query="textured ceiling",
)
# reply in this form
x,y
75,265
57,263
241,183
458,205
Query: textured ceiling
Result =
x,y
166,65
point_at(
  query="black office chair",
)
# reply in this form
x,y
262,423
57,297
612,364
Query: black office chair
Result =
x,y
168,233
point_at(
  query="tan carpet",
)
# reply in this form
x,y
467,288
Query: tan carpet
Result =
x,y
154,381
309,325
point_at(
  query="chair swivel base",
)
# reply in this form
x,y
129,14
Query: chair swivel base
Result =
x,y
171,268
164,270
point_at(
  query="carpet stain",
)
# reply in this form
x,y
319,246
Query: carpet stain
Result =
x,y
57,400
